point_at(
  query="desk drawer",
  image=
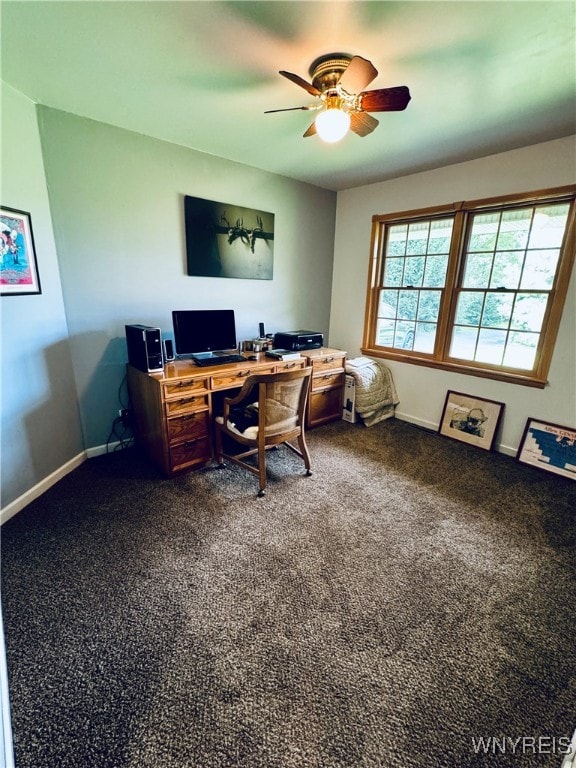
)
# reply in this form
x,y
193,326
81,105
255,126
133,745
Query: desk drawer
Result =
x,y
329,362
184,387
230,379
187,427
186,404
195,451
290,365
324,405
327,380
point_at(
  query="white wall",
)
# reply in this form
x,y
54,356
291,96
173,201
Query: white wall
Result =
x,y
422,390
117,203
40,426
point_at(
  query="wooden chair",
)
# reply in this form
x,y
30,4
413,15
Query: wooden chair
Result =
x,y
268,411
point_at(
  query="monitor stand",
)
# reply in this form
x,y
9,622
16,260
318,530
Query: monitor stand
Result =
x,y
214,354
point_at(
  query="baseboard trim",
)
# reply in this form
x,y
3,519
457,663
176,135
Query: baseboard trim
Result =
x,y
22,501
99,450
429,425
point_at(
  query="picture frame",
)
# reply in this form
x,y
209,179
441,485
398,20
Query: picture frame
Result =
x,y
550,447
18,266
227,240
471,419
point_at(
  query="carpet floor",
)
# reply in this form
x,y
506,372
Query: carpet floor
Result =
x,y
410,605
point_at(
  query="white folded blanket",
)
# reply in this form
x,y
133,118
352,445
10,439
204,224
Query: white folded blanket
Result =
x,y
376,395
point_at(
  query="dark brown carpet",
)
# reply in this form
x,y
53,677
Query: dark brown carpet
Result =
x,y
412,597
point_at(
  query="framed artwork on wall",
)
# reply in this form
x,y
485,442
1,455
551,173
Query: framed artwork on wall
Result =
x,y
18,267
471,419
551,447
224,240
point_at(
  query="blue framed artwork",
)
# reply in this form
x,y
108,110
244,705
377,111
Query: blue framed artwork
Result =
x,y
225,240
18,267
550,447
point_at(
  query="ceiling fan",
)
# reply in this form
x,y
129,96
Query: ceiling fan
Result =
x,y
338,81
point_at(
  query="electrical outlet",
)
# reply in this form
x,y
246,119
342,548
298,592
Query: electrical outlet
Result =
x,y
124,414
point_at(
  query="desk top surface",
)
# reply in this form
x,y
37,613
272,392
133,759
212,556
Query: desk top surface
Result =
x,y
180,368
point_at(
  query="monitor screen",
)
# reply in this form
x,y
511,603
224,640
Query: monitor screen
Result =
x,y
203,330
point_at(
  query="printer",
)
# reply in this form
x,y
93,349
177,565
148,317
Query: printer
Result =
x,y
297,340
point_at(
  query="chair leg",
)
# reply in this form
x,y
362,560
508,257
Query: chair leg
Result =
x,y
218,446
262,470
305,455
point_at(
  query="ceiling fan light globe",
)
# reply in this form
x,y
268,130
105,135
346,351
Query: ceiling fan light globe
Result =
x,y
332,125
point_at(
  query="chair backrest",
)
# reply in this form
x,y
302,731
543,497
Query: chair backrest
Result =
x,y
281,399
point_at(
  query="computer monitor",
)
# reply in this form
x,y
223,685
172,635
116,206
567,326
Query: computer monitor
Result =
x,y
201,333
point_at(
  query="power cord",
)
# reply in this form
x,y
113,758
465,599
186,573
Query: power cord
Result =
x,y
121,426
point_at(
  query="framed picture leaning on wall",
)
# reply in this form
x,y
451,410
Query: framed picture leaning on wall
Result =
x,y
471,419
18,267
550,447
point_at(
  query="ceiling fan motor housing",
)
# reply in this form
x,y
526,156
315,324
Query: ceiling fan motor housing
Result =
x,y
327,70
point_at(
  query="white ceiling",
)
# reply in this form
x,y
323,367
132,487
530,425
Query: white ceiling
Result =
x,y
485,76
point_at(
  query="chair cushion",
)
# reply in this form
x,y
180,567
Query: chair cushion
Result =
x,y
250,432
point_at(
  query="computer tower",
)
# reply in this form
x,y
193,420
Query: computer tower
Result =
x,y
145,348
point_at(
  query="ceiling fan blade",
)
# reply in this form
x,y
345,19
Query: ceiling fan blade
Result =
x,y
357,75
385,99
288,109
301,82
311,131
362,123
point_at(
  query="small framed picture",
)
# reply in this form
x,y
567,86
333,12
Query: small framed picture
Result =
x,y
550,447
18,267
471,419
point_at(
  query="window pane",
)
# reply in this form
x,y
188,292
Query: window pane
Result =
x,y
393,271
521,350
529,311
387,304
440,236
477,271
404,335
408,304
548,226
414,271
539,269
484,232
429,305
490,348
397,240
385,332
425,337
417,238
435,271
514,229
463,344
469,308
507,269
497,310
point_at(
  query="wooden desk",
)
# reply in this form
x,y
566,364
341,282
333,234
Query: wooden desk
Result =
x,y
173,409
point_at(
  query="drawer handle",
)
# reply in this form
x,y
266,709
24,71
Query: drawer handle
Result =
x,y
186,400
289,365
328,375
190,443
242,374
329,360
189,417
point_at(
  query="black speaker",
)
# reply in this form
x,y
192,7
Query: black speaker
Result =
x,y
144,348
168,350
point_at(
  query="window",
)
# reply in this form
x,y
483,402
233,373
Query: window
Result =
x,y
476,287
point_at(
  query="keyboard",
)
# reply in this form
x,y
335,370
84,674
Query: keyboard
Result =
x,y
204,362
